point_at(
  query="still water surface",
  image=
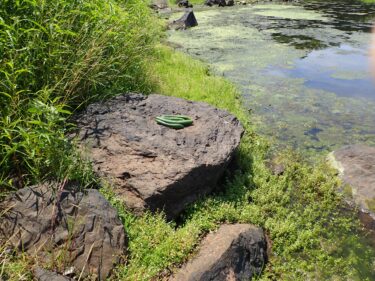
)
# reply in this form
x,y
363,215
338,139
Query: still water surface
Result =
x,y
303,68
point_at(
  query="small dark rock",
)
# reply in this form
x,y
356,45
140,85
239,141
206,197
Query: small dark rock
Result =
x,y
184,3
220,3
186,21
234,252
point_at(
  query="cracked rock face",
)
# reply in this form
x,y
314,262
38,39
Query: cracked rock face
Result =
x,y
45,275
356,165
68,227
234,252
155,167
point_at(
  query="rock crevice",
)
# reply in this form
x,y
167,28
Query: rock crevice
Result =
x,y
66,227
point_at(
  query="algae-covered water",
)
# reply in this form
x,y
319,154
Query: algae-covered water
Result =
x,y
302,67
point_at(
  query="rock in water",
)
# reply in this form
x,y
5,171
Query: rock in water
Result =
x,y
230,3
184,3
234,252
153,166
159,4
220,3
79,229
356,164
186,21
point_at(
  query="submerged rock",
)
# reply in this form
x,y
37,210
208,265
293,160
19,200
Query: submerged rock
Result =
x,y
210,3
155,167
186,21
230,3
356,166
159,4
80,229
234,252
220,3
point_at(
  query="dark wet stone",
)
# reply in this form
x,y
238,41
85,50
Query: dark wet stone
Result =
x,y
188,20
184,3
81,227
234,252
356,166
220,3
154,167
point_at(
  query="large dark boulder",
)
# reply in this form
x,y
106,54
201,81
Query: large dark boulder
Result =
x,y
188,20
234,252
79,229
356,166
155,167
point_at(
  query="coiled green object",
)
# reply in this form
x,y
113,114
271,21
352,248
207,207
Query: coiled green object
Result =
x,y
174,121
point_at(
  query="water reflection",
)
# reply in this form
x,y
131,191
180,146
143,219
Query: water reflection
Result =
x,y
302,68
343,70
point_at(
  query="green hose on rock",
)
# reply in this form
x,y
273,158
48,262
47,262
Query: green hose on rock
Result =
x,y
174,121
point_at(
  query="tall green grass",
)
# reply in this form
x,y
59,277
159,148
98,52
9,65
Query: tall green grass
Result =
x,y
56,56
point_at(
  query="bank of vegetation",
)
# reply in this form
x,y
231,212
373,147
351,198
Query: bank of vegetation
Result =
x,y
58,56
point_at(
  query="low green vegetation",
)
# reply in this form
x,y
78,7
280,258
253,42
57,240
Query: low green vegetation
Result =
x,y
61,55
300,210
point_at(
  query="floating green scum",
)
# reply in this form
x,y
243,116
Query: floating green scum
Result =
x,y
174,121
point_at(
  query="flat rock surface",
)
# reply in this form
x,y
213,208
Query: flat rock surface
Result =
x,y
76,229
153,166
46,275
234,252
356,164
